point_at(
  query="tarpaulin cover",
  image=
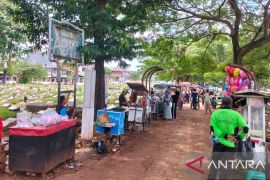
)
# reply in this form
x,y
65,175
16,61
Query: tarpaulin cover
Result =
x,y
40,130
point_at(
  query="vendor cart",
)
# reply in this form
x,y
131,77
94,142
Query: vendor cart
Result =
x,y
116,126
137,114
39,149
252,107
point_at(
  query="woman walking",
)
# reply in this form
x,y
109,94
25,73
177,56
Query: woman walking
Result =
x,y
167,104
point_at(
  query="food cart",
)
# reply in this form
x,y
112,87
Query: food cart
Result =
x,y
116,126
39,149
252,107
137,114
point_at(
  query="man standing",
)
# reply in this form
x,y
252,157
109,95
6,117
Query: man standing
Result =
x,y
228,126
194,99
122,99
175,98
207,102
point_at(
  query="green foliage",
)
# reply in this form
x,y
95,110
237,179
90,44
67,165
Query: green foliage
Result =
x,y
136,75
11,33
187,61
27,71
5,113
214,77
258,61
108,71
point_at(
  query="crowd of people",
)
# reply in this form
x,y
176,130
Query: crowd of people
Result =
x,y
172,98
225,132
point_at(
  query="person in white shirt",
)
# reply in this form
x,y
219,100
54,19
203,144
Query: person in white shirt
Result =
x,y
207,102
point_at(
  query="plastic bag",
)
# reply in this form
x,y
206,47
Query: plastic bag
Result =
x,y
48,117
244,149
24,119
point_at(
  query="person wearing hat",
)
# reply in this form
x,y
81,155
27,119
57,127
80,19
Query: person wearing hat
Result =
x,y
228,126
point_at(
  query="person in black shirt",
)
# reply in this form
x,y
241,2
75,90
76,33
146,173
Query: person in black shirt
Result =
x,y
122,99
195,98
175,98
152,92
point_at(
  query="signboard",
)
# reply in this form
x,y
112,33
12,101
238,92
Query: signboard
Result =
x,y
65,40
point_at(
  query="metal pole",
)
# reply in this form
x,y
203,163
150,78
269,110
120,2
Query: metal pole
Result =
x,y
75,85
50,40
59,86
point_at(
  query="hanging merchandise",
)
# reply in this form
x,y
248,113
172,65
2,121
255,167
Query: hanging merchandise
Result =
x,y
237,79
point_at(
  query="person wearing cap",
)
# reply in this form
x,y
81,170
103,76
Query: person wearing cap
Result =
x,y
228,126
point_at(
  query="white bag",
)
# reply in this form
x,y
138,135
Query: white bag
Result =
x,y
24,119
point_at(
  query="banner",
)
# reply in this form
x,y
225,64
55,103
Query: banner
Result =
x,y
66,40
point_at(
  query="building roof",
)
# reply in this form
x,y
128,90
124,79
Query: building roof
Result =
x,y
251,93
137,86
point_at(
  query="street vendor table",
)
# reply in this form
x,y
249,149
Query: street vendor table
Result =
x,y
39,149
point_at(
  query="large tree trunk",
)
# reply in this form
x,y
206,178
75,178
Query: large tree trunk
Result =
x,y
99,64
237,55
100,84
237,58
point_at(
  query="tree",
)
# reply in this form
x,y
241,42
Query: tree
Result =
x,y
187,61
136,75
246,23
27,71
10,36
109,27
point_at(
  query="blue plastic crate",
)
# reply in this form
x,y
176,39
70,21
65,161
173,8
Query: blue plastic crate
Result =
x,y
115,117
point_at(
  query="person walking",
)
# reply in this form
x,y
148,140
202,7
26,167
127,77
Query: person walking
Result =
x,y
175,98
202,93
167,113
207,102
194,99
228,126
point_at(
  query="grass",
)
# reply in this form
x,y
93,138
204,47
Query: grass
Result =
x,y
14,94
5,113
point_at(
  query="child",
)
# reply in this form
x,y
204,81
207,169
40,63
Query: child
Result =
x,y
63,109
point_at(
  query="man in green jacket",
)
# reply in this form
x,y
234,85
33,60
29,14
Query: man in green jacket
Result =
x,y
228,127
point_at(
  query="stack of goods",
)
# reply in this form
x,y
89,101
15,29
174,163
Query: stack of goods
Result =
x,y
48,117
236,80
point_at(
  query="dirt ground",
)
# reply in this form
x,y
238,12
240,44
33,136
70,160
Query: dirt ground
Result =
x,y
158,153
